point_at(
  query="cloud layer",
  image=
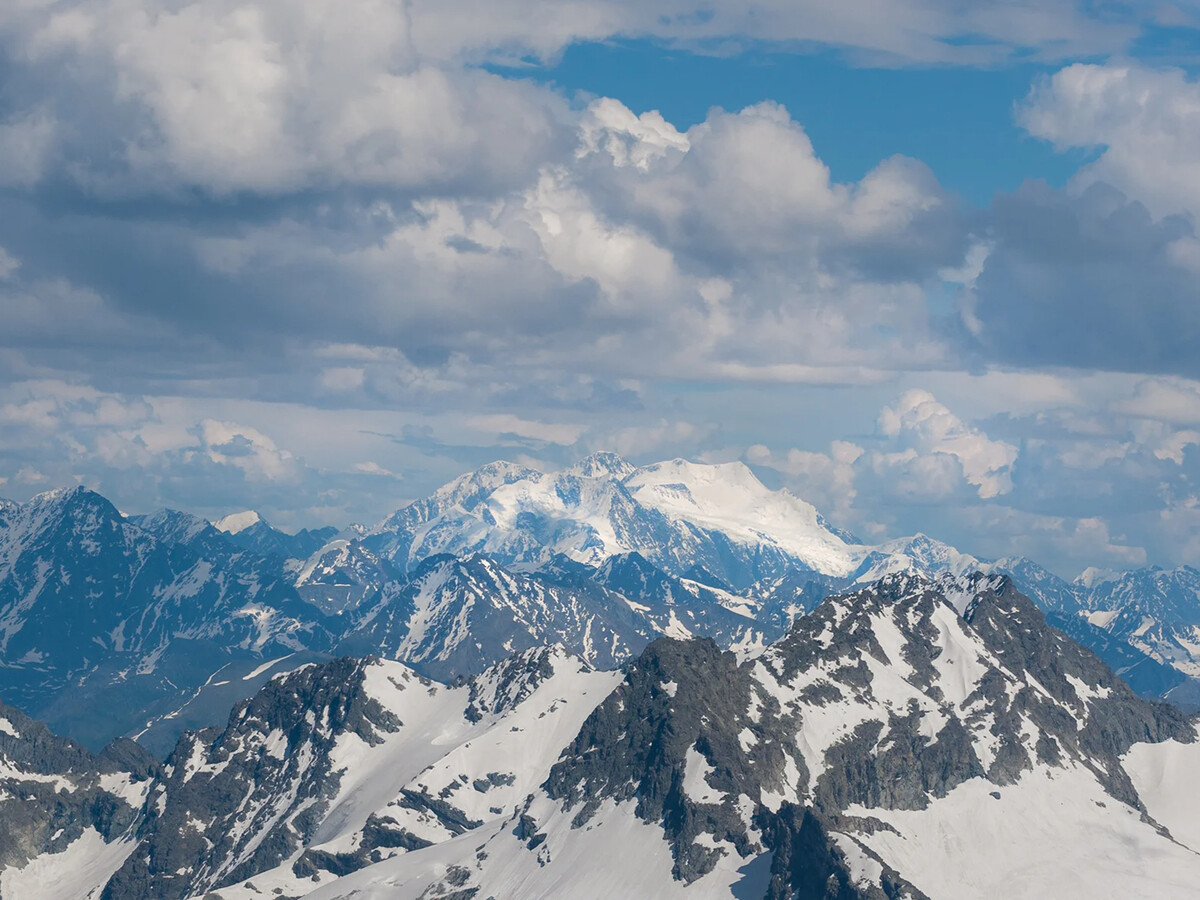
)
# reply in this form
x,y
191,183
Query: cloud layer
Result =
x,y
320,257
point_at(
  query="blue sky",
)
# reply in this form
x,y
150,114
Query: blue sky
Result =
x,y
959,122
931,265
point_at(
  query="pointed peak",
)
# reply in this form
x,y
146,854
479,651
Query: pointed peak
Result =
x,y
497,472
503,686
602,464
629,560
58,495
961,591
64,501
1094,575
237,522
172,523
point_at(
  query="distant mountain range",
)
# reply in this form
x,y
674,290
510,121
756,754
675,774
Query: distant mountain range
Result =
x,y
919,737
147,625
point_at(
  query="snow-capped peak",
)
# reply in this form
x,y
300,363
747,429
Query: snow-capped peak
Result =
x,y
1093,575
238,521
56,495
678,514
728,498
604,464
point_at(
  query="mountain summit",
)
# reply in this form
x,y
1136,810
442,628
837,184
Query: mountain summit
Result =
x,y
677,514
886,747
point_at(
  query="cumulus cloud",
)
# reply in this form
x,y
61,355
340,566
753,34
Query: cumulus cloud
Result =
x,y
825,479
931,435
749,185
295,254
245,448
1102,486
271,96
595,266
1090,280
922,456
1175,400
1101,275
1070,541
1144,122
146,452
265,97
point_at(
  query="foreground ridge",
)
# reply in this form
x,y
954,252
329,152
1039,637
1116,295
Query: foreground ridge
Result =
x,y
882,748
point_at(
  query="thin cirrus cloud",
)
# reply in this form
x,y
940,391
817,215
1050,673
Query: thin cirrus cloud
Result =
x,y
271,253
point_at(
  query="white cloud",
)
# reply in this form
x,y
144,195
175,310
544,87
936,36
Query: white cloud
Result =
x,y
506,423
8,264
730,255
245,448
1173,446
931,433
609,126
370,467
665,437
279,95
923,456
1175,400
267,96
579,244
1082,541
1146,122
369,255
827,480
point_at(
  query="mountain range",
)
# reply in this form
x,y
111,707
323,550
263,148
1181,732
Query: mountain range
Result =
x,y
916,737
144,626
502,688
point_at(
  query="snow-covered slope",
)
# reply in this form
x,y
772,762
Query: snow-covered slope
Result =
x,y
677,515
333,768
238,521
946,708
715,525
68,819
163,617
728,500
916,738
1155,610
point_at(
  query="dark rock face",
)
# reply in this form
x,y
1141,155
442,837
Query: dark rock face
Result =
x,y
884,699
688,696
936,682
505,685
108,623
52,789
806,864
239,801
678,695
1009,623
132,615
